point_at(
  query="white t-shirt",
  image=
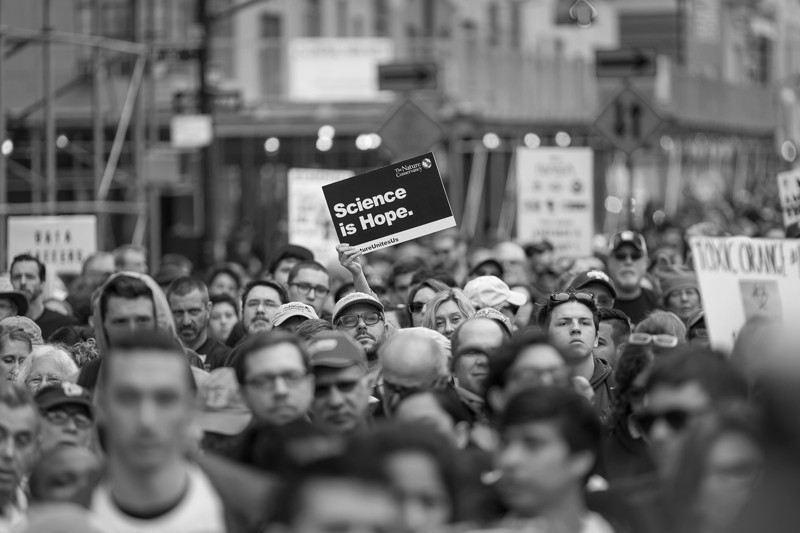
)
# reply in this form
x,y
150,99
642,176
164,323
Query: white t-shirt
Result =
x,y
200,511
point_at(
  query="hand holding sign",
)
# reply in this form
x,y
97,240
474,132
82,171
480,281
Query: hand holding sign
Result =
x,y
390,205
348,258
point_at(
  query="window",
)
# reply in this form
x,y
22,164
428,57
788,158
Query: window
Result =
x,y
494,25
515,32
381,20
313,18
341,18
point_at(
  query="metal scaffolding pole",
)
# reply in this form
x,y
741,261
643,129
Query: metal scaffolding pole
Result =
x,y
3,170
98,138
140,186
49,111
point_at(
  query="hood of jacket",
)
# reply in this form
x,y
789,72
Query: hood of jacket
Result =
x,y
163,316
602,371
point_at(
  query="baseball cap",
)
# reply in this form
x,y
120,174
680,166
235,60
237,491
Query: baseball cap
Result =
x,y
593,276
336,350
66,393
352,299
493,314
18,297
222,409
627,237
288,310
288,251
27,325
488,261
491,291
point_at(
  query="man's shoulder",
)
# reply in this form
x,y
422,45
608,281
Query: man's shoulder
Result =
x,y
51,317
213,347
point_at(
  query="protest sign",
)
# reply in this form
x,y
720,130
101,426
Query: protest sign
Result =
x,y
310,224
555,198
741,278
789,190
390,205
62,243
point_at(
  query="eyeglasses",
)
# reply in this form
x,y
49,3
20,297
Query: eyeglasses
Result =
x,y
268,382
662,340
255,304
621,256
558,376
561,297
351,321
43,380
305,288
416,307
321,390
676,419
59,417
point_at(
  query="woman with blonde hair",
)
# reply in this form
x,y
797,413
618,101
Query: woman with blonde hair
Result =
x,y
446,310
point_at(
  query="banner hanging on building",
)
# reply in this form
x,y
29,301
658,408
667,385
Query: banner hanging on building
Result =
x,y
62,243
741,278
397,203
555,198
309,222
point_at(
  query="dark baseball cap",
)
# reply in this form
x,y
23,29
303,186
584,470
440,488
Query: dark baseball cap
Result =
x,y
291,251
627,237
593,276
66,393
336,350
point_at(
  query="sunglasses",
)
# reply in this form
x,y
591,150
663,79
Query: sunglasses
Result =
x,y
661,340
676,419
561,297
635,256
415,307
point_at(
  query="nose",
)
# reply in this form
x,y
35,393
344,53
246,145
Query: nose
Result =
x,y
147,414
509,456
576,327
335,397
660,431
684,296
7,448
280,386
449,328
70,425
186,320
414,514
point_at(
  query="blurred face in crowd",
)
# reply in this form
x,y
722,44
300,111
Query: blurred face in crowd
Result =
x,y
666,417
65,474
98,269
478,339
342,505
283,269
7,308
571,329
406,369
523,315
66,425
191,313
448,317
371,336
602,295
134,261
25,278
425,501
401,284
221,321
125,315
536,365
733,465
422,297
627,266
684,303
46,370
147,405
607,349
538,468
310,286
277,386
445,252
513,259
260,307
19,446
223,283
341,398
14,354
423,408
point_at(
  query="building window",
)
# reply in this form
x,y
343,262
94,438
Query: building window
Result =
x,y
494,25
428,18
341,18
515,32
313,18
381,20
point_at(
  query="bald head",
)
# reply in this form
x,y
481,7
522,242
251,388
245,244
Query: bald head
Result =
x,y
483,334
513,259
412,359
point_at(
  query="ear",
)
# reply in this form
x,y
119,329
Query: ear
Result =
x,y
496,399
620,349
582,463
596,339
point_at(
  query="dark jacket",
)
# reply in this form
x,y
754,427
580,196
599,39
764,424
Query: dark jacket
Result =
x,y
603,384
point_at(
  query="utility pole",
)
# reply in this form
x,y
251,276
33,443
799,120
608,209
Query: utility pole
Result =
x,y
208,164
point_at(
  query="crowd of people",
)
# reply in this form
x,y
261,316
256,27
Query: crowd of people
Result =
x,y
424,387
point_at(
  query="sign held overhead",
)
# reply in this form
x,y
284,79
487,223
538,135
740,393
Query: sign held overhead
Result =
x,y
390,205
626,63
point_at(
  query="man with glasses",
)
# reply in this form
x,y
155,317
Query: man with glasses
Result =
x,y
67,417
627,265
571,322
360,316
341,383
310,283
411,361
272,369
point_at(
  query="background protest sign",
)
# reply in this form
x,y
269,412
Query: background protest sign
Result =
x,y
741,278
789,191
390,205
62,243
555,198
309,222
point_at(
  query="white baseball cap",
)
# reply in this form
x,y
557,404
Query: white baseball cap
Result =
x,y
491,291
288,310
